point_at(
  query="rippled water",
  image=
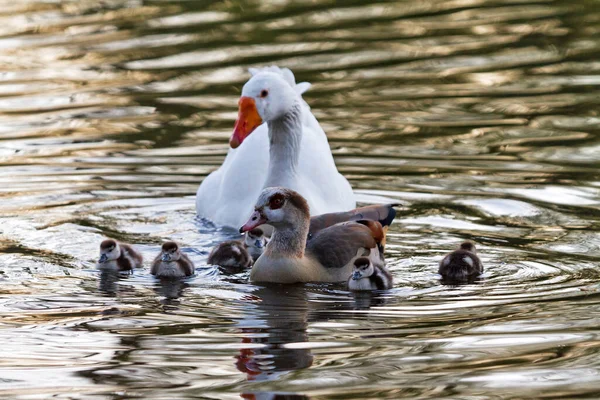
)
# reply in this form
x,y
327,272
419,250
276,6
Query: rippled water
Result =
x,y
481,117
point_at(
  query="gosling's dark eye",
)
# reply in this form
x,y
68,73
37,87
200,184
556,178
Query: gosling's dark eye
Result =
x,y
264,93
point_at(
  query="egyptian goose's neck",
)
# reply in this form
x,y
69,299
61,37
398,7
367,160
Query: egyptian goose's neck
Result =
x,y
285,136
289,241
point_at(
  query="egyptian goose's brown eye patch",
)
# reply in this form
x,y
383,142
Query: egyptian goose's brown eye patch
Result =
x,y
264,93
276,201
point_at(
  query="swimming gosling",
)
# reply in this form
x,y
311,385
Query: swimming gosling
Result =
x,y
231,255
461,265
172,263
255,242
118,257
367,276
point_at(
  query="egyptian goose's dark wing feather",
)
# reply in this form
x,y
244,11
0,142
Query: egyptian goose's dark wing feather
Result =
x,y
335,246
384,213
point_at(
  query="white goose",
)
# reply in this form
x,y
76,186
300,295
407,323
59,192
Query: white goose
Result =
x,y
299,156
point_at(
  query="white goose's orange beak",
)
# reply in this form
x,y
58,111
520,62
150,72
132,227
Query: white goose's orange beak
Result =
x,y
247,121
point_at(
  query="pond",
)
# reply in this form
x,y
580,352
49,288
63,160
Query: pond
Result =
x,y
480,117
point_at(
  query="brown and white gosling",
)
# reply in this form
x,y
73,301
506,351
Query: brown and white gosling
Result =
x,y
231,255
235,254
255,242
118,257
462,264
368,276
172,263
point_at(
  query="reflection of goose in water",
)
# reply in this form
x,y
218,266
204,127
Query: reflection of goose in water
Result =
x,y
364,300
275,335
273,396
108,282
278,318
171,289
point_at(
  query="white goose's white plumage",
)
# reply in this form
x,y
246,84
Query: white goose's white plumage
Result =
x,y
289,149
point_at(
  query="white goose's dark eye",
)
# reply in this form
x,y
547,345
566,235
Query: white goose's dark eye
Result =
x,y
264,93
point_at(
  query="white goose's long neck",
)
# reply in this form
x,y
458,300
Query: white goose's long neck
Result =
x,y
285,136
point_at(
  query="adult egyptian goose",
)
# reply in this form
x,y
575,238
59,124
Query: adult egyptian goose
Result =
x,y
369,276
118,257
272,115
291,257
171,262
462,265
234,256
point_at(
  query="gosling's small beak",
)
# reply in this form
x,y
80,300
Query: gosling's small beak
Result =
x,y
166,257
258,243
103,258
248,120
356,275
256,219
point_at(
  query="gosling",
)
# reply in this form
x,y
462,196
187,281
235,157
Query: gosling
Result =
x,y
462,265
255,242
172,263
118,257
231,255
367,276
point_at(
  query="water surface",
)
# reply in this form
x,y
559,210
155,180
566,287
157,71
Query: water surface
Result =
x,y
479,116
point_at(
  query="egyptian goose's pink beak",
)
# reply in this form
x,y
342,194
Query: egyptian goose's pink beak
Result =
x,y
256,219
248,120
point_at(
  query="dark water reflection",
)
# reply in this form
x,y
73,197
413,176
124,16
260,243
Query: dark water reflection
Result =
x,y
479,116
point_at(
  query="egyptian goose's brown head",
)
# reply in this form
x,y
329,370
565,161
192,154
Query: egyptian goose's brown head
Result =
x,y
267,96
170,252
109,251
278,207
